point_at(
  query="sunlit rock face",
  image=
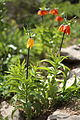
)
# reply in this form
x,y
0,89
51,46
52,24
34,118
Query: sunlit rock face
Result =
x,y
73,52
63,115
6,111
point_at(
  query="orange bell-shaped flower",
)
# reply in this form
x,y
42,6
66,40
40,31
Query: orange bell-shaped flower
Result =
x,y
53,11
59,19
42,12
65,29
30,43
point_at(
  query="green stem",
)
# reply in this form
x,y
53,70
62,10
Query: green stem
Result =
x,y
58,23
27,63
42,18
61,43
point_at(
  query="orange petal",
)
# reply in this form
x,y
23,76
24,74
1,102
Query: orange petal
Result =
x,y
59,18
54,11
30,43
65,28
42,12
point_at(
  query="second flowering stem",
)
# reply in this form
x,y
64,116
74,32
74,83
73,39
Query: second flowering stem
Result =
x,y
61,43
27,63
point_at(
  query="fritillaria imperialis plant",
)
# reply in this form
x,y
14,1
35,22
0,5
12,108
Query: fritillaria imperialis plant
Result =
x,y
35,89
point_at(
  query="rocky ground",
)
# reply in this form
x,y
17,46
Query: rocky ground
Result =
x,y
71,111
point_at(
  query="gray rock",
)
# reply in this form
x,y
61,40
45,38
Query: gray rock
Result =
x,y
6,111
75,71
61,115
74,117
73,75
58,115
73,52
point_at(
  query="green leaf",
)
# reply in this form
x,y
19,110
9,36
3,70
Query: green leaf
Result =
x,y
49,61
43,68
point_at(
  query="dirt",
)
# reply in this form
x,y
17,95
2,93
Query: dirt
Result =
x,y
72,107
